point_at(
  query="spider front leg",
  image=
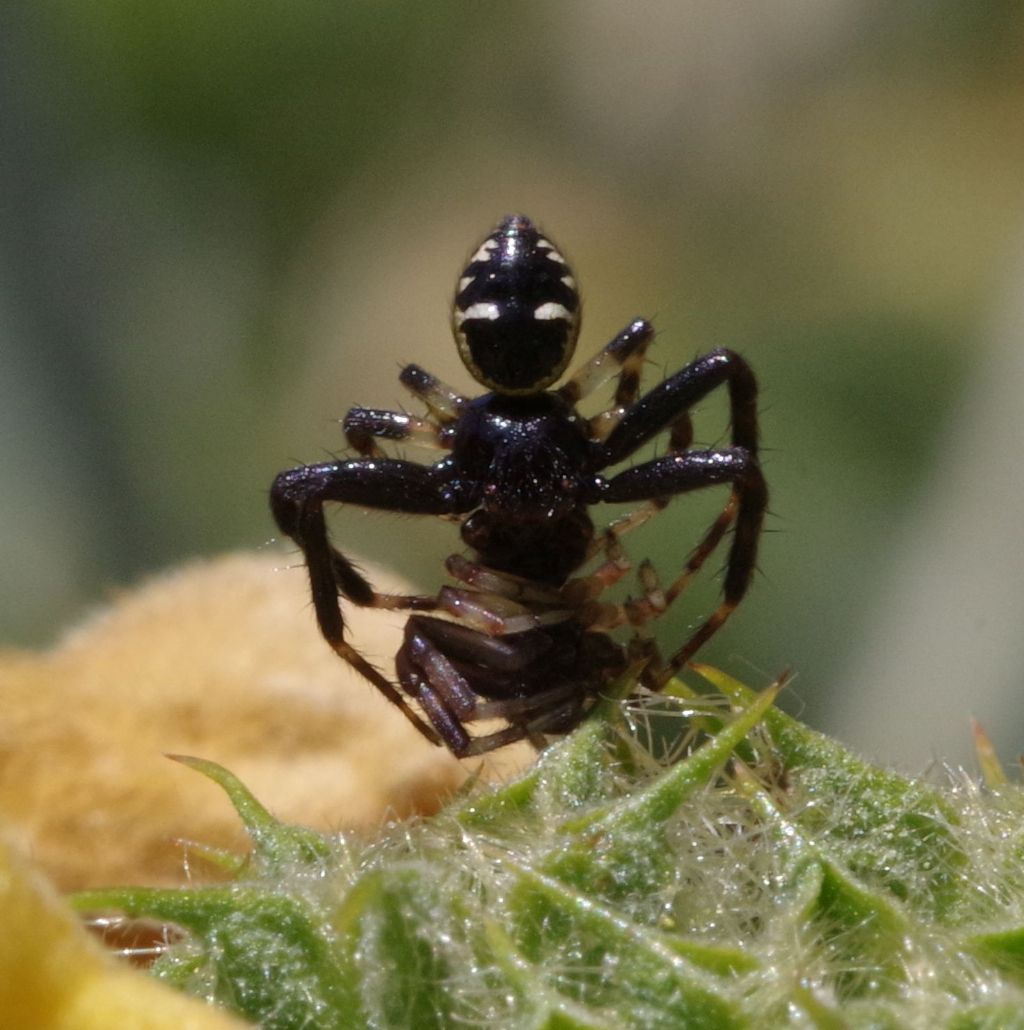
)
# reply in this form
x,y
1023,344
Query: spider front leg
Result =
x,y
667,407
364,426
694,470
297,499
444,403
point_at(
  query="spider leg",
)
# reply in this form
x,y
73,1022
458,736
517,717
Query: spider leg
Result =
x,y
581,589
464,644
297,499
657,600
711,539
667,407
663,406
364,425
680,437
624,355
495,614
494,581
635,612
497,603
694,470
617,563
428,674
441,400
628,389
638,611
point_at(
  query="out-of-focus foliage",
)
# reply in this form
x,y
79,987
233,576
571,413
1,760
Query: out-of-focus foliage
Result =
x,y
226,223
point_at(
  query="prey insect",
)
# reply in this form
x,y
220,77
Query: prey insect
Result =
x,y
522,634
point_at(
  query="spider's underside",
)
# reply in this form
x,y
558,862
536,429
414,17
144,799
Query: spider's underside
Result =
x,y
524,636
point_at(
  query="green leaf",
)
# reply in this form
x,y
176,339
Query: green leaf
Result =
x,y
274,843
1005,948
264,953
894,832
767,878
646,978
619,848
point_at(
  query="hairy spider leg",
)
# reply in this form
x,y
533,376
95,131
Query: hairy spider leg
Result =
x,y
496,615
494,581
427,672
581,589
297,499
637,612
662,407
443,403
622,356
617,563
495,603
628,350
667,407
634,611
656,599
694,470
364,426
680,436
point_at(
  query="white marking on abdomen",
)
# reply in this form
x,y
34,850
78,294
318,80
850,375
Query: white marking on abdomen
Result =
x,y
484,252
481,310
553,254
551,310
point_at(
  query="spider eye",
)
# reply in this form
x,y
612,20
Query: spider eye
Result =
x,y
517,310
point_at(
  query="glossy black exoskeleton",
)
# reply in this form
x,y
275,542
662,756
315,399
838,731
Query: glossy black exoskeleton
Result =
x,y
524,638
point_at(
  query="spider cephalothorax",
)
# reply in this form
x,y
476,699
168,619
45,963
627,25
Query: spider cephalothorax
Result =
x,y
524,638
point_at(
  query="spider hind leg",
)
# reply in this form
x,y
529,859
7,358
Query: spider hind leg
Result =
x,y
537,682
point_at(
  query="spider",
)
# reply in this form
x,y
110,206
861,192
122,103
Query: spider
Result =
x,y
522,635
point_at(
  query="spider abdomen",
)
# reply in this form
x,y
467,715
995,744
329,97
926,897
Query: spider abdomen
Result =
x,y
516,310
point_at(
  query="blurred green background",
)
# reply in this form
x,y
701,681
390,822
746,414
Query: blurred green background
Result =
x,y
224,223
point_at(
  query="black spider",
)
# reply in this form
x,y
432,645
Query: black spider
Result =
x,y
524,639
